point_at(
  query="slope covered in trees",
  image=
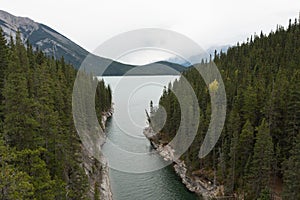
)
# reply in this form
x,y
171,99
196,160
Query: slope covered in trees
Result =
x,y
259,145
40,151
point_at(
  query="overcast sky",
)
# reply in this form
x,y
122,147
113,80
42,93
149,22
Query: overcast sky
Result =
x,y
209,22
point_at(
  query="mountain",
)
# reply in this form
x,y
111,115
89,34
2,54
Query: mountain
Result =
x,y
161,68
42,37
55,44
196,58
223,48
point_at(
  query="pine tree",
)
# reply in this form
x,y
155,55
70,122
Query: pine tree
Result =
x,y
245,148
41,154
261,78
249,110
293,107
46,115
30,162
19,124
233,164
292,172
261,164
14,184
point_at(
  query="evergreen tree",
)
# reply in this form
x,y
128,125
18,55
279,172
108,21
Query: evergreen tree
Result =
x,y
30,162
245,148
292,172
261,78
40,153
14,184
19,124
261,164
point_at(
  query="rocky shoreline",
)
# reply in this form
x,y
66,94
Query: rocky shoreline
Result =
x,y
105,187
97,170
193,183
105,191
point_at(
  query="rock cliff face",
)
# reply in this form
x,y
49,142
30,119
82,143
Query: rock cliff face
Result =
x,y
202,187
97,171
42,37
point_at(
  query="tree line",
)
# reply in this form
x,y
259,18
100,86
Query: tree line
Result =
x,y
259,148
40,151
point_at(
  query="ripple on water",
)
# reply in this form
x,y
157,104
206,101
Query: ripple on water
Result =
x,y
162,184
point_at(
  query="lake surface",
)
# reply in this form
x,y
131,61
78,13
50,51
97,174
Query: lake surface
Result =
x,y
137,173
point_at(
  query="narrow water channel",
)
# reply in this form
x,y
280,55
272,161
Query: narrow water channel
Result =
x,y
131,96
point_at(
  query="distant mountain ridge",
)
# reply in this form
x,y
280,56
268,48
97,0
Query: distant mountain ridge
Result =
x,y
42,37
55,44
195,59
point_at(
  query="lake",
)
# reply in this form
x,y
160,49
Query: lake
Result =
x,y
136,172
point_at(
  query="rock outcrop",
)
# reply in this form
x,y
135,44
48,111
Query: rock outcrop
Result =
x,y
193,183
97,170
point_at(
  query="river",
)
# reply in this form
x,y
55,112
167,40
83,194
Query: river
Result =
x,y
131,96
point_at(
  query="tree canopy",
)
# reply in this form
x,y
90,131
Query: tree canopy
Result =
x,y
40,151
258,145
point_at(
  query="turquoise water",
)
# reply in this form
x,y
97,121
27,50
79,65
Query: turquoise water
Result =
x,y
131,96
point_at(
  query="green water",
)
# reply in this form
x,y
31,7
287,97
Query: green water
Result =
x,y
131,96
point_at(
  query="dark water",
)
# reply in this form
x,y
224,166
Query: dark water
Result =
x,y
131,96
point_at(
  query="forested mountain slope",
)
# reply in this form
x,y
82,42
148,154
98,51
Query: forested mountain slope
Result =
x,y
259,148
40,151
